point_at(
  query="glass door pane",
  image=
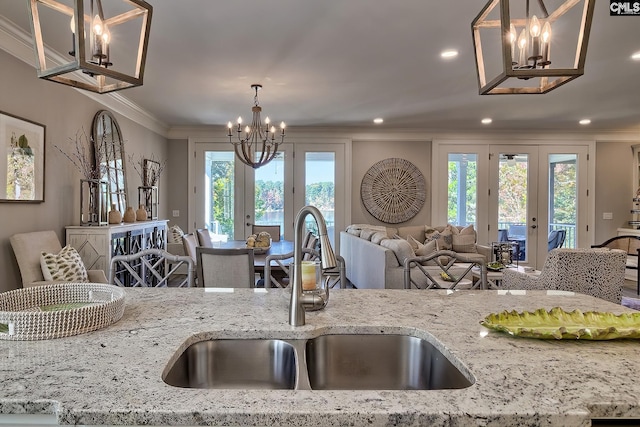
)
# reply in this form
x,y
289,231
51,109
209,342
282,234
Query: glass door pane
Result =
x,y
320,189
319,172
462,189
513,183
269,194
219,193
563,196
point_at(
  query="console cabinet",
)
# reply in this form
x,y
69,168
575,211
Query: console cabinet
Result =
x,y
96,245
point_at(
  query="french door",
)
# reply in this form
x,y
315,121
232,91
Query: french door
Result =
x,y
515,192
229,197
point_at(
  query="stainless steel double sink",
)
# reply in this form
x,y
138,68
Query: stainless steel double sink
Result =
x,y
327,362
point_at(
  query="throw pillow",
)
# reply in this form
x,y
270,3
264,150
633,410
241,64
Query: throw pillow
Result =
x,y
413,242
400,247
426,250
66,266
444,237
366,233
354,231
378,236
175,234
464,241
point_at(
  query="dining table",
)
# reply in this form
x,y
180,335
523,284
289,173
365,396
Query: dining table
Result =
x,y
279,247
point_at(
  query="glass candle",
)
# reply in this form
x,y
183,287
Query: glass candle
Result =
x,y
308,275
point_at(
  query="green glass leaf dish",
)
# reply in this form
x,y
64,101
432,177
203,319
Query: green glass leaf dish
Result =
x,y
559,324
495,266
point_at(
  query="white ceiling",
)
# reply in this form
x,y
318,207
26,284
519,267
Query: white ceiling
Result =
x,y
345,62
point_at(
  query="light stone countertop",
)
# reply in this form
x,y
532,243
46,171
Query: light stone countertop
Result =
x,y
114,375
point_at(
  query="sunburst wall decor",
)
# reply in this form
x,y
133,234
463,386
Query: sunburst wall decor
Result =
x,y
393,190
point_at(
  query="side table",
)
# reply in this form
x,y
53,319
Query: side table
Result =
x,y
495,277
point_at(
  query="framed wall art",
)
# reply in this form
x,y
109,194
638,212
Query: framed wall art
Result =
x,y
22,153
151,172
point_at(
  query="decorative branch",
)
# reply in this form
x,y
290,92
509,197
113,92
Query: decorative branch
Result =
x,y
149,176
82,158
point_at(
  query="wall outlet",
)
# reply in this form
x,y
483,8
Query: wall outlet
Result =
x,y
176,213
607,215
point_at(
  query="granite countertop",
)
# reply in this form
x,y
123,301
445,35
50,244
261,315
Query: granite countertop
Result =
x,y
114,375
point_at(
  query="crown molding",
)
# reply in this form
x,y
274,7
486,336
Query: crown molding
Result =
x,y
18,43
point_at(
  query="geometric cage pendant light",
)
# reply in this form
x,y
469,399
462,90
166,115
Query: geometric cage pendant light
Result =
x,y
107,48
530,47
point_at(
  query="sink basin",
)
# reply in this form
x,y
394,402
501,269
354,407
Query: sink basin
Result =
x,y
235,364
328,362
379,362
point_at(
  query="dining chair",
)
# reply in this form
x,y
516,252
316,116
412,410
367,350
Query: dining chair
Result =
x,y
273,230
225,268
281,279
310,241
151,268
190,243
204,238
331,277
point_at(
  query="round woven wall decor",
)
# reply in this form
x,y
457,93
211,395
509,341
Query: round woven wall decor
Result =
x,y
393,190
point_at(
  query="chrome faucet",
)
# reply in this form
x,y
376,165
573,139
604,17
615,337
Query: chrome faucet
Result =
x,y
299,300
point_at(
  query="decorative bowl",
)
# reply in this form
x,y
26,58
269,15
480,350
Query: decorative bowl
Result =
x,y
559,324
59,310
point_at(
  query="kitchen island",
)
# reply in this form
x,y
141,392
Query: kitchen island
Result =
x,y
114,375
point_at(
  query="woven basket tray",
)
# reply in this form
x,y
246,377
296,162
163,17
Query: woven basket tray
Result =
x,y
58,310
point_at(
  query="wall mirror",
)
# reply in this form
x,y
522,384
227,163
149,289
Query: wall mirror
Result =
x,y
109,153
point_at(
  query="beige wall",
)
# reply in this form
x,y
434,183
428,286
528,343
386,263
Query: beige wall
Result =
x,y
177,178
614,187
64,111
367,152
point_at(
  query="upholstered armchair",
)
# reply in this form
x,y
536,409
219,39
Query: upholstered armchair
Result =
x,y
595,272
27,248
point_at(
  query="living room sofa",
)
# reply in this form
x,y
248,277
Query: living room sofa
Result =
x,y
374,255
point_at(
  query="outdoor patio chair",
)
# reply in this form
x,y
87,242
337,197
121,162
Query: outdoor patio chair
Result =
x,y
556,239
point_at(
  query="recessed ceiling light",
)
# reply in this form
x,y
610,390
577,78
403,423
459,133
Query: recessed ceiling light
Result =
x,y
378,120
449,53
486,121
585,121
636,56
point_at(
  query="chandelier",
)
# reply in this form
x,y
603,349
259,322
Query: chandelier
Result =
x,y
258,145
535,50
108,50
